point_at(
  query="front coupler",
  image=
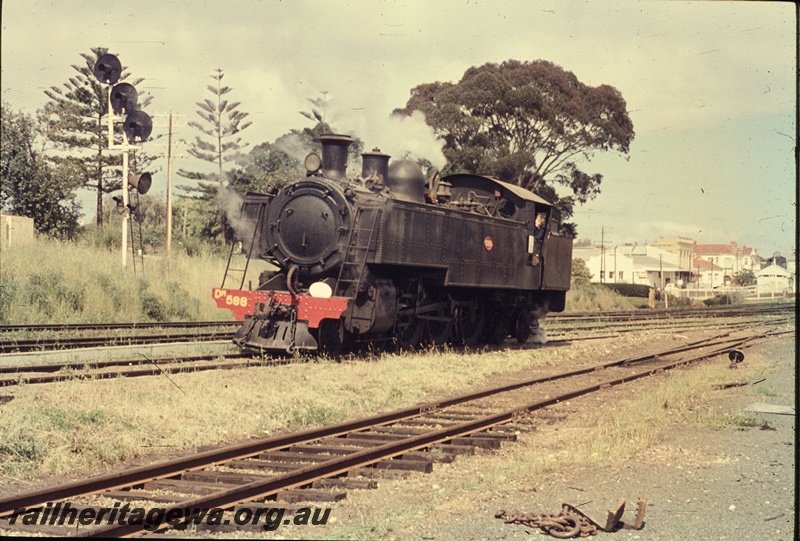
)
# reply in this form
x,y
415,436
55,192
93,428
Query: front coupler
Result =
x,y
283,322
274,326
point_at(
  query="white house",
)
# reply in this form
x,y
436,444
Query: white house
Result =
x,y
730,258
645,265
774,281
708,274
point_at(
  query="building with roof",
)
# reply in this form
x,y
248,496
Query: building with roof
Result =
x,y
628,264
682,247
706,274
730,259
774,281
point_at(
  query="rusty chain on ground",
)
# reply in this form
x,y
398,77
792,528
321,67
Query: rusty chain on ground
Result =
x,y
562,525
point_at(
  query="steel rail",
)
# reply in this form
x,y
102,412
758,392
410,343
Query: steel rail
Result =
x,y
95,365
23,346
157,370
266,488
110,326
141,474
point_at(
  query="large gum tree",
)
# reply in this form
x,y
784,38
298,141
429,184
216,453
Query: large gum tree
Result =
x,y
530,123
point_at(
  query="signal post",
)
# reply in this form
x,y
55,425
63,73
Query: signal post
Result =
x,y
137,126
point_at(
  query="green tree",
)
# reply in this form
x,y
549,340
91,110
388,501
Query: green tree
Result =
x,y
530,123
221,125
265,167
580,272
318,115
27,186
73,123
744,278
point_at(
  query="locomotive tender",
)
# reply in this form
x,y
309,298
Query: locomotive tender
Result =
x,y
386,257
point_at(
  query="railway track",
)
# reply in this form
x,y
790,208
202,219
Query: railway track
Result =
x,y
56,372
319,464
130,368
61,343
72,327
564,322
730,311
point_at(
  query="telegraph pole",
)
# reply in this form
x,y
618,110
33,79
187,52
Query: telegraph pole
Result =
x,y
169,185
602,254
170,155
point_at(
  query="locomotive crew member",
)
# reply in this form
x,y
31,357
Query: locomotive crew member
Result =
x,y
538,227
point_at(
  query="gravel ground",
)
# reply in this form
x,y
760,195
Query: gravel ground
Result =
x,y
701,484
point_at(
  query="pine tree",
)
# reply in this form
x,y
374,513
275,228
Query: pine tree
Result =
x,y
73,123
221,125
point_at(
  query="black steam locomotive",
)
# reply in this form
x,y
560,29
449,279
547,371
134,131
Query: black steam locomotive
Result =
x,y
388,257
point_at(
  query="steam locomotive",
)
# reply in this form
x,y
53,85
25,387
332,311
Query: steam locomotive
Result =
x,y
388,257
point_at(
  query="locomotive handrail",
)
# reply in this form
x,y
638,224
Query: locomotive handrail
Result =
x,y
350,248
249,251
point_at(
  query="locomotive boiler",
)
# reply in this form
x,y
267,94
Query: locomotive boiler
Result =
x,y
386,257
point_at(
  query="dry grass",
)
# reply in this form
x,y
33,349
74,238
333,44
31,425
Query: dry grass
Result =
x,y
614,433
590,297
52,282
48,281
77,426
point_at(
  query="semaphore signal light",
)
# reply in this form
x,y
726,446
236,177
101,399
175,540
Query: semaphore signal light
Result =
x,y
107,69
123,99
137,126
140,181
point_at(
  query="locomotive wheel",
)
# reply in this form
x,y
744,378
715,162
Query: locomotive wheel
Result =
x,y
522,327
438,332
410,331
331,337
498,330
379,344
469,323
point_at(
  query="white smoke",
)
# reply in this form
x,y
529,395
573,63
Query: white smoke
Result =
x,y
402,137
230,202
293,145
538,336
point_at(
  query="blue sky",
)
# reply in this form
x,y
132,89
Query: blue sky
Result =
x,y
710,86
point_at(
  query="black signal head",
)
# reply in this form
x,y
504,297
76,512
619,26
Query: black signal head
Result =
x,y
124,98
140,181
107,69
137,126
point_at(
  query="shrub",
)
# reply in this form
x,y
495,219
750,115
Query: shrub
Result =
x,y
8,292
679,302
629,290
717,300
580,272
589,297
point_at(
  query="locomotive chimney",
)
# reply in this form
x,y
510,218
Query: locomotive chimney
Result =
x,y
375,164
334,155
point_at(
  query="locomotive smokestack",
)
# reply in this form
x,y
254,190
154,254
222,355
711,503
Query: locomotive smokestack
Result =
x,y
375,163
334,155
